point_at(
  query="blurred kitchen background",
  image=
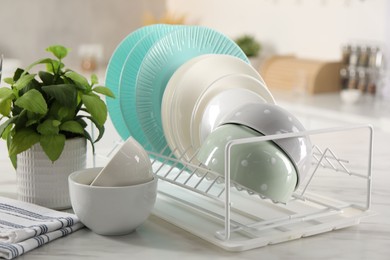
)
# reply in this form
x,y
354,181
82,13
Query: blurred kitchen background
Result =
x,y
313,32
310,52
307,47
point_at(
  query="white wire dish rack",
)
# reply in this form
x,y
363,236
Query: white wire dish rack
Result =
x,y
336,194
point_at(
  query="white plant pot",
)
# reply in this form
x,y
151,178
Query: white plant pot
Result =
x,y
42,182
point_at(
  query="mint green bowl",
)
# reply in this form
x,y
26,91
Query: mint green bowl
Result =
x,y
261,166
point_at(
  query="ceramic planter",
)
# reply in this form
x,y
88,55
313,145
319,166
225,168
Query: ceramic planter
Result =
x,y
45,183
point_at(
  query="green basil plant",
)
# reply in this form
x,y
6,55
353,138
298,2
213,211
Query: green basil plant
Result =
x,y
50,106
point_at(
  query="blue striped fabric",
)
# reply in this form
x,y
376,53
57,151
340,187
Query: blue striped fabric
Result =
x,y
25,226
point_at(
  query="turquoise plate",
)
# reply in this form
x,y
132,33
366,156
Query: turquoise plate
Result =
x,y
113,74
128,82
161,61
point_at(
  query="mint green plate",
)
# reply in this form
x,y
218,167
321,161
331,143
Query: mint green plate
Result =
x,y
128,81
113,74
161,61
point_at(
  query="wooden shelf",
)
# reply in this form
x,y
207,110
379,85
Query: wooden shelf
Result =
x,y
311,76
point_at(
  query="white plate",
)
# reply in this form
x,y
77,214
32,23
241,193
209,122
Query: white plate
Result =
x,y
170,89
192,85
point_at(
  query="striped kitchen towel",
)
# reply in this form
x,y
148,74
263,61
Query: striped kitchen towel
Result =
x,y
25,226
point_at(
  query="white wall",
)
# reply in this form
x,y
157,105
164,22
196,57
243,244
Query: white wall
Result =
x,y
28,27
307,28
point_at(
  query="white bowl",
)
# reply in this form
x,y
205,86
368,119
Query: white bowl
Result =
x,y
129,165
261,167
189,88
223,96
270,119
110,210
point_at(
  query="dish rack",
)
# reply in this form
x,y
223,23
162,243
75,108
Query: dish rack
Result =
x,y
335,194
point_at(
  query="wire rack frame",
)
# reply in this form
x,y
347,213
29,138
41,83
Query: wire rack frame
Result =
x,y
194,191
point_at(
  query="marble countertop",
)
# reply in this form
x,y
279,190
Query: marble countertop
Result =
x,y
158,239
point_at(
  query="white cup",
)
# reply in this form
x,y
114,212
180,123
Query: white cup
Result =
x,y
130,165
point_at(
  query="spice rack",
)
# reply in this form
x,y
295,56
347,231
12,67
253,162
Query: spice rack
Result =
x,y
362,68
336,194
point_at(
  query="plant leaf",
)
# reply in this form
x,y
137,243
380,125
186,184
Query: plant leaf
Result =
x,y
17,74
13,158
46,77
53,145
101,132
21,120
23,81
6,132
32,101
41,61
60,112
94,79
54,66
33,118
23,140
96,107
81,121
100,128
4,125
104,90
65,94
89,138
49,127
72,126
58,50
6,97
5,107
80,80
9,81
5,93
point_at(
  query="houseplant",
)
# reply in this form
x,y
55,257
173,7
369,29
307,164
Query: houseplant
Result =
x,y
249,45
43,114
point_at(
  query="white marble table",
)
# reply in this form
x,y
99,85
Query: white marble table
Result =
x,y
158,239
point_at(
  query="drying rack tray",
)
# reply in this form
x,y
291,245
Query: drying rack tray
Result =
x,y
204,217
335,194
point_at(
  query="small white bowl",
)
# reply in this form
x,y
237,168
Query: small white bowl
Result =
x,y
110,210
350,96
129,165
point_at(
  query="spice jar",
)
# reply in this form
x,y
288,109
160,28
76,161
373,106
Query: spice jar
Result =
x,y
354,57
345,55
344,78
352,78
363,56
362,80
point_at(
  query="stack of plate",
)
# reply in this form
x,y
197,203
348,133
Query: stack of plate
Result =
x,y
143,64
176,85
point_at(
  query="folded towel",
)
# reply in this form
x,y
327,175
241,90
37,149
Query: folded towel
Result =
x,y
25,226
